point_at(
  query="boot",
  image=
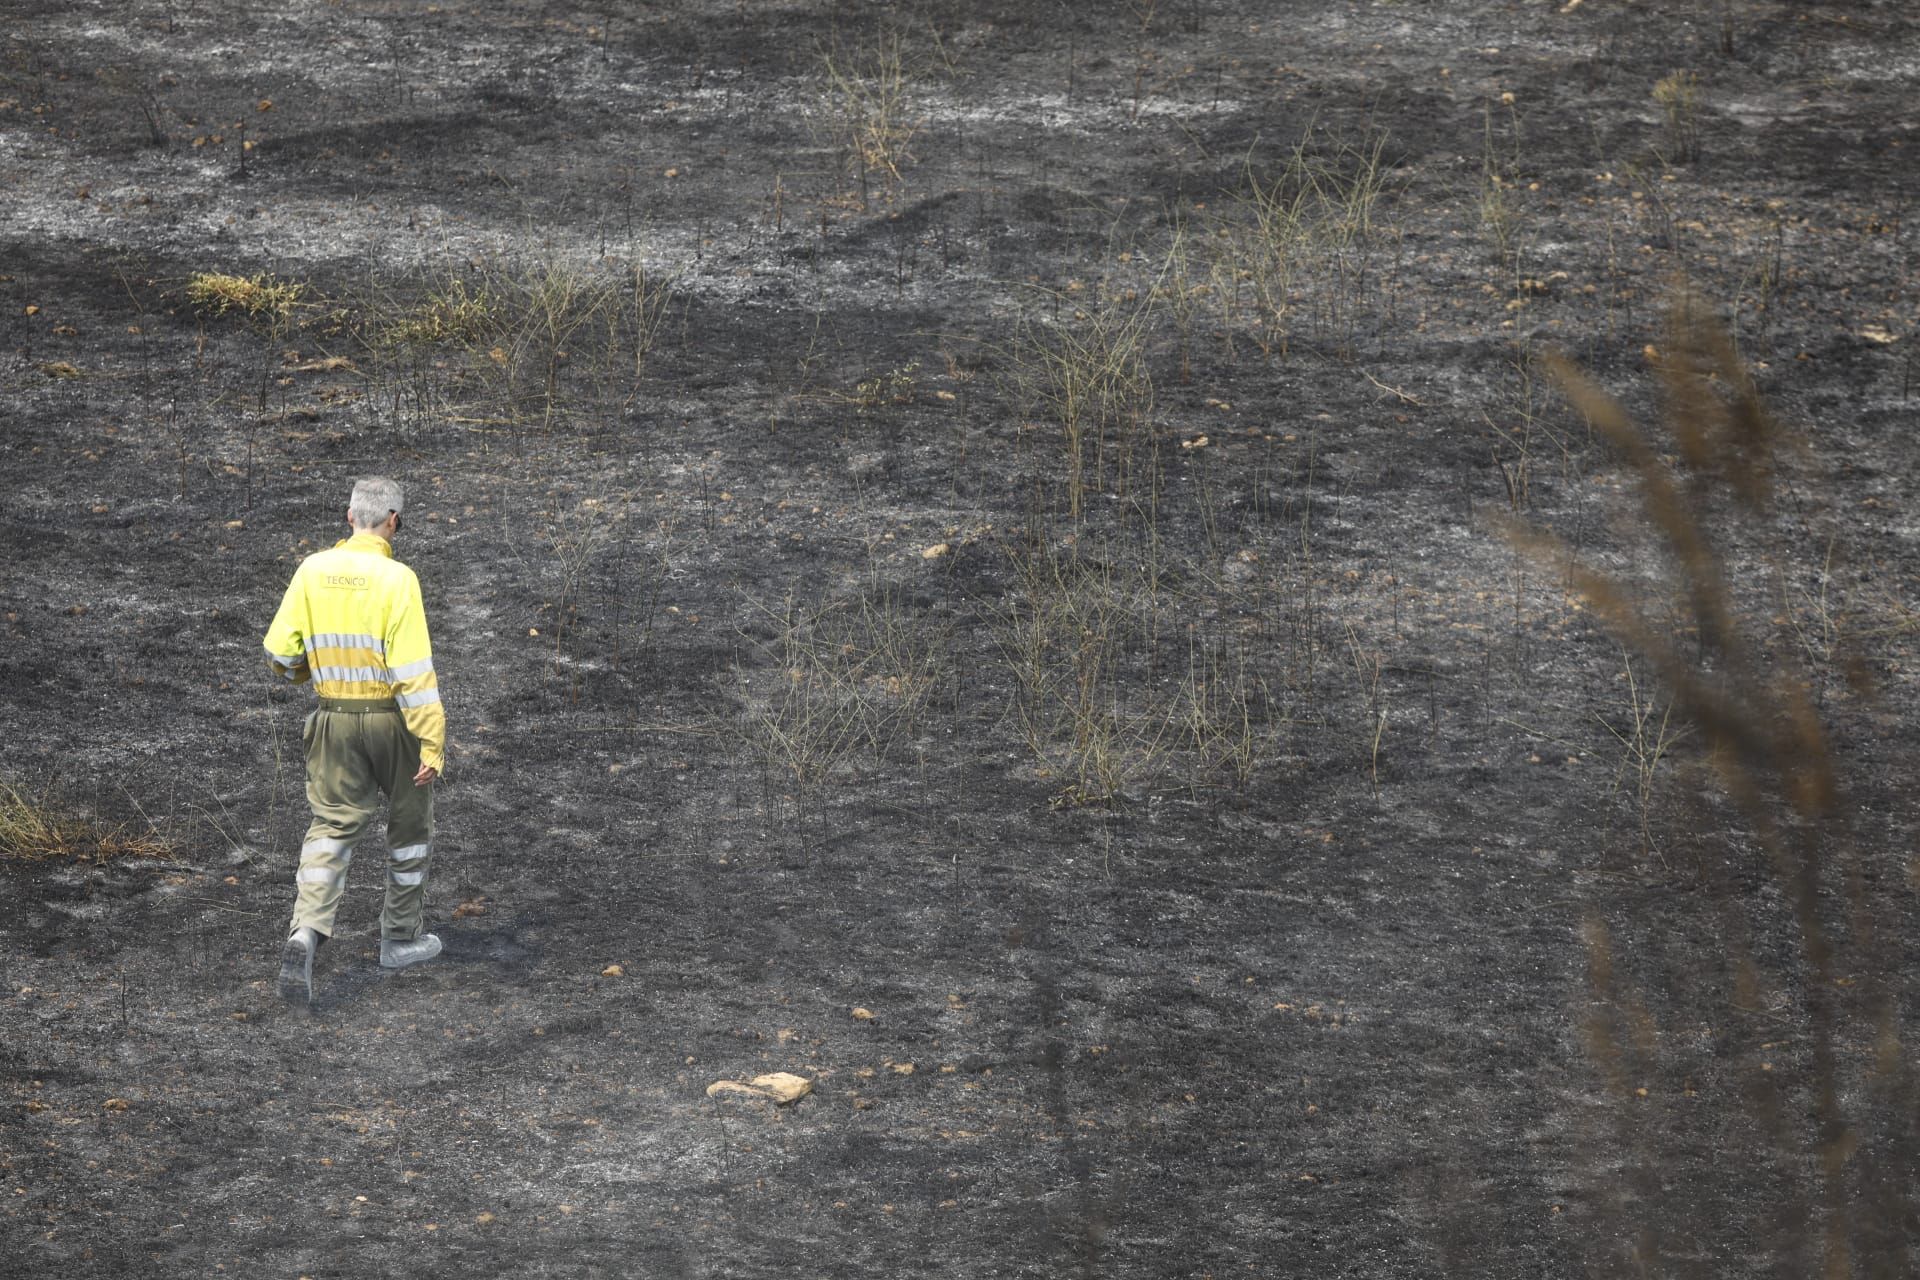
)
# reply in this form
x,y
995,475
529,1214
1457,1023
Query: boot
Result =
x,y
395,954
296,966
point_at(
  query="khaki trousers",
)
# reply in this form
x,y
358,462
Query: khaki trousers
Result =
x,y
353,758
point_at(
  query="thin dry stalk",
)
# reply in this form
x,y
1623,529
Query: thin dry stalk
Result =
x,y
1307,237
847,678
1836,1131
868,106
1087,373
1645,746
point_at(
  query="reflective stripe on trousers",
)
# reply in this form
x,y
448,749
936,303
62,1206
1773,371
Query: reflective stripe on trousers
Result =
x,y
409,865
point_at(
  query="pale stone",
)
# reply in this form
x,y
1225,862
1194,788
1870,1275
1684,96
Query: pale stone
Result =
x,y
783,1086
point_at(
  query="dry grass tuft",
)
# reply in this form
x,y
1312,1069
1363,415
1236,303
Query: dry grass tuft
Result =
x,y
520,342
867,111
1679,97
852,678
449,313
1306,246
1106,714
261,297
32,831
1086,370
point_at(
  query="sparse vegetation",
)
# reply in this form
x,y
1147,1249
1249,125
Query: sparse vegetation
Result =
x,y
1179,295
1303,247
962,546
32,828
448,313
1499,201
143,96
836,682
1083,639
1678,94
1527,444
263,298
575,533
895,386
547,306
1082,365
1647,736
508,343
869,111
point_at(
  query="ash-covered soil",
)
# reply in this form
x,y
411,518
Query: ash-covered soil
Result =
x,y
964,545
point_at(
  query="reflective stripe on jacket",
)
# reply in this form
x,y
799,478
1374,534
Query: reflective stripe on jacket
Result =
x,y
352,622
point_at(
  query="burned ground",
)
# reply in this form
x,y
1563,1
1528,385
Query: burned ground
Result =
x,y
982,584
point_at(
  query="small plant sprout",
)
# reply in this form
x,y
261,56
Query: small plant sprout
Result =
x,y
892,387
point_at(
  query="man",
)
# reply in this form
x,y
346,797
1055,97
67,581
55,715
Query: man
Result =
x,y
352,623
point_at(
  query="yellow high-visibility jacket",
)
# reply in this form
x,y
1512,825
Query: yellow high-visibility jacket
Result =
x,y
352,622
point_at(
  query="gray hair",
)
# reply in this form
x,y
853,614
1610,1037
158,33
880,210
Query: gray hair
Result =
x,y
374,498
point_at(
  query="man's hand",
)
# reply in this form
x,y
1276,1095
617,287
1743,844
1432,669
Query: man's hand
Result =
x,y
425,777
